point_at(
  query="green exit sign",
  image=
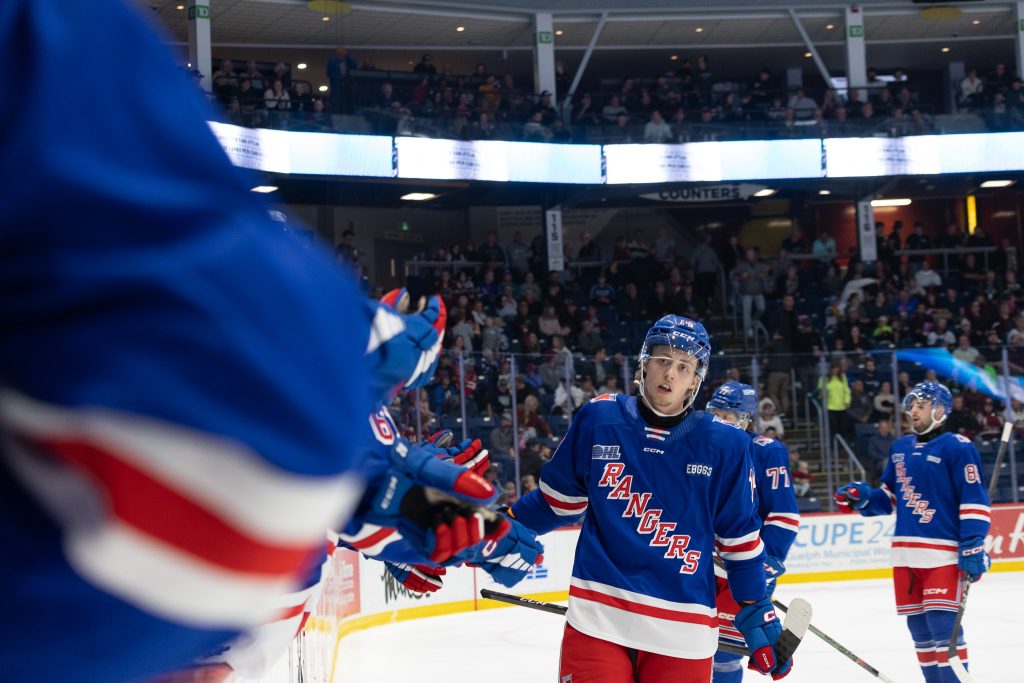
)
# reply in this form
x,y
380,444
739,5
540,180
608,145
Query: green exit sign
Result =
x,y
856,31
201,11
544,37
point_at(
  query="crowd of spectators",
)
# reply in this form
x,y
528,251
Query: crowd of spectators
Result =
x,y
574,334
686,103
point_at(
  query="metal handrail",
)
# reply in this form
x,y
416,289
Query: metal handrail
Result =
x,y
823,445
854,460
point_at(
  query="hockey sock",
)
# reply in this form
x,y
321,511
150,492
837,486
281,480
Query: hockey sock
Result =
x,y
924,644
940,624
728,668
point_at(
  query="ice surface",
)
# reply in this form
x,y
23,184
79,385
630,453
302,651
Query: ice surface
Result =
x,y
519,645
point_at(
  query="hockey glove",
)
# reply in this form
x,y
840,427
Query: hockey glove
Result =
x,y
773,569
419,578
973,560
761,629
435,505
469,454
403,348
852,497
511,558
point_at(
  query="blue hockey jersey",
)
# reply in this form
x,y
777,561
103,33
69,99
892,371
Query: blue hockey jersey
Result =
x,y
776,500
655,504
936,489
182,383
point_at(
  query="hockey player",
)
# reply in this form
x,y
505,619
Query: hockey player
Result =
x,y
933,482
658,488
183,381
736,403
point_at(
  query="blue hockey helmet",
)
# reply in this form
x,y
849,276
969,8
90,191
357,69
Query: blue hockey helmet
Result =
x,y
735,397
937,394
680,333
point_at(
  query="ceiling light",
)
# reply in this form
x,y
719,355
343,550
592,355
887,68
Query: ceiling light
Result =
x,y
301,65
265,189
699,30
180,7
997,183
418,196
190,65
765,192
829,27
808,54
326,19
460,29
976,22
674,57
824,193
322,88
890,202
945,49
559,33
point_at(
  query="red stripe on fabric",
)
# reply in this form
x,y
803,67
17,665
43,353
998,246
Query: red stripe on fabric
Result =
x,y
373,539
289,612
942,657
924,546
927,657
784,520
155,509
740,548
646,610
562,505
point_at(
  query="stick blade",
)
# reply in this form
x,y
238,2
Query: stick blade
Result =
x,y
794,628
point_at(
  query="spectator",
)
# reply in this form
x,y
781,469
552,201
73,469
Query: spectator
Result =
x,y
748,278
613,110
861,407
767,419
965,352
926,278
567,401
802,105
657,130
971,88
802,478
960,420
836,396
339,77
535,130
589,339
529,419
824,247
276,98
425,66
989,421
705,265
878,450
941,335
884,402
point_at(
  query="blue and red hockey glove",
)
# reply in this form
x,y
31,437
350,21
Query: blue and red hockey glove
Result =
x,y
470,453
509,559
853,497
404,344
972,558
773,569
436,505
419,578
761,629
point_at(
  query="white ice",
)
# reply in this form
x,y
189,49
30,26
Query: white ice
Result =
x,y
519,645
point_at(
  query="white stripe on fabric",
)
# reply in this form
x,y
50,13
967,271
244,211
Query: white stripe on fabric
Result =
x,y
977,518
561,496
135,567
216,473
737,541
742,555
640,598
365,531
922,558
784,525
384,327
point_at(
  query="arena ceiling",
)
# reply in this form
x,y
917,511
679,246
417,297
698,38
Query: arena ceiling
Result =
x,y
391,33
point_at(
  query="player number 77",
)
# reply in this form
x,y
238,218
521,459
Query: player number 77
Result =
x,y
775,473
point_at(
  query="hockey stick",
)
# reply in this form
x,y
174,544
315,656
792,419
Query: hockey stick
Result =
x,y
952,652
792,633
838,646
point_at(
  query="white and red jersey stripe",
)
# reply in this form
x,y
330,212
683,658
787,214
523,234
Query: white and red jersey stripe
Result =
x,y
923,552
561,504
185,524
742,548
789,521
675,629
370,539
980,513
